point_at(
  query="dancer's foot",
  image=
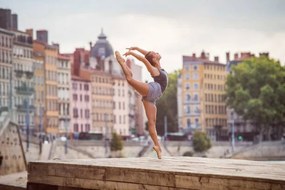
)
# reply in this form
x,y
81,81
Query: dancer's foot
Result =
x,y
119,58
157,149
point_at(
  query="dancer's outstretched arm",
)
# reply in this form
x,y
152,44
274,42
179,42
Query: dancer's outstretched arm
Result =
x,y
142,51
151,69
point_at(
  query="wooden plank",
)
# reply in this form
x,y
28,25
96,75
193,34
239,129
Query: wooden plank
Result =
x,y
167,173
64,170
148,178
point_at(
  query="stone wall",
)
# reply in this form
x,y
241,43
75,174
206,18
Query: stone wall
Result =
x,y
11,153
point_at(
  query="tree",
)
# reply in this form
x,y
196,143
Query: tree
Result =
x,y
116,142
255,89
167,106
201,142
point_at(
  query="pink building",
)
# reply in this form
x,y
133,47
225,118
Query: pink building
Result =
x,y
80,106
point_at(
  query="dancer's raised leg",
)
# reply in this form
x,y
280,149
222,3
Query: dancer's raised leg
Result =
x,y
141,87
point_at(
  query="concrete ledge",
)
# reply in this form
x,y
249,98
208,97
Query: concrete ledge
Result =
x,y
16,181
150,173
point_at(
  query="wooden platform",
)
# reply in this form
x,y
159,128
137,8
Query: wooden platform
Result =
x,y
151,173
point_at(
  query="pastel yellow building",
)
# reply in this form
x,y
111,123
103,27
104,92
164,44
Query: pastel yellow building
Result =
x,y
202,105
49,54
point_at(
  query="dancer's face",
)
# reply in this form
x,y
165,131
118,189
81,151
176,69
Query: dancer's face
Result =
x,y
153,58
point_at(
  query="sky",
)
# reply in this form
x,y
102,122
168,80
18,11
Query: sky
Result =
x,y
171,27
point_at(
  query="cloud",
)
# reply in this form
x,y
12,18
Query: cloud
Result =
x,y
173,28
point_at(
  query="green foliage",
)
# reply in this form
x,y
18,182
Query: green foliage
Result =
x,y
188,153
255,90
167,106
201,142
116,142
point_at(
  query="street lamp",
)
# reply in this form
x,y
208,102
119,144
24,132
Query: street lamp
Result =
x,y
41,137
65,144
233,131
26,103
106,135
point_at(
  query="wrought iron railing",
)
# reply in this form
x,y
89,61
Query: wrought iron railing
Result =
x,y
23,108
25,90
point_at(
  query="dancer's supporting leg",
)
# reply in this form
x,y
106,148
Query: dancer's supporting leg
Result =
x,y
151,112
150,108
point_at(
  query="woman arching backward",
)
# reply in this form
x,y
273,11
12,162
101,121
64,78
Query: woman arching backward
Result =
x,y
151,91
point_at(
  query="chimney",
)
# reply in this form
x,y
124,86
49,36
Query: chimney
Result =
x,y
56,45
203,55
30,32
194,55
228,56
236,56
42,36
90,44
14,21
216,58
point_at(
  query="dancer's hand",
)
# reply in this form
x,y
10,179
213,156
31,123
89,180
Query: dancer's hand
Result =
x,y
127,53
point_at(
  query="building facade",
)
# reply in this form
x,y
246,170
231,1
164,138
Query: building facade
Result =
x,y
202,105
39,97
23,88
136,112
64,93
121,106
49,55
102,103
80,105
6,69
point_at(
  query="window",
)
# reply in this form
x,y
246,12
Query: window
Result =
x,y
188,109
187,86
187,77
87,114
75,127
196,121
196,97
195,67
196,86
75,97
188,97
188,123
197,110
75,112
87,127
187,67
86,87
74,86
86,98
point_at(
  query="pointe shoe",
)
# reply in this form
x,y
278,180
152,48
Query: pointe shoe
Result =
x,y
158,151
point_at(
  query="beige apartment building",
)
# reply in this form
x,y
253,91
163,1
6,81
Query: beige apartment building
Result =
x,y
202,91
49,55
23,87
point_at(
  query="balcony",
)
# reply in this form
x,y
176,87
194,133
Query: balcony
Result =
x,y
23,108
4,109
21,73
29,74
24,90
